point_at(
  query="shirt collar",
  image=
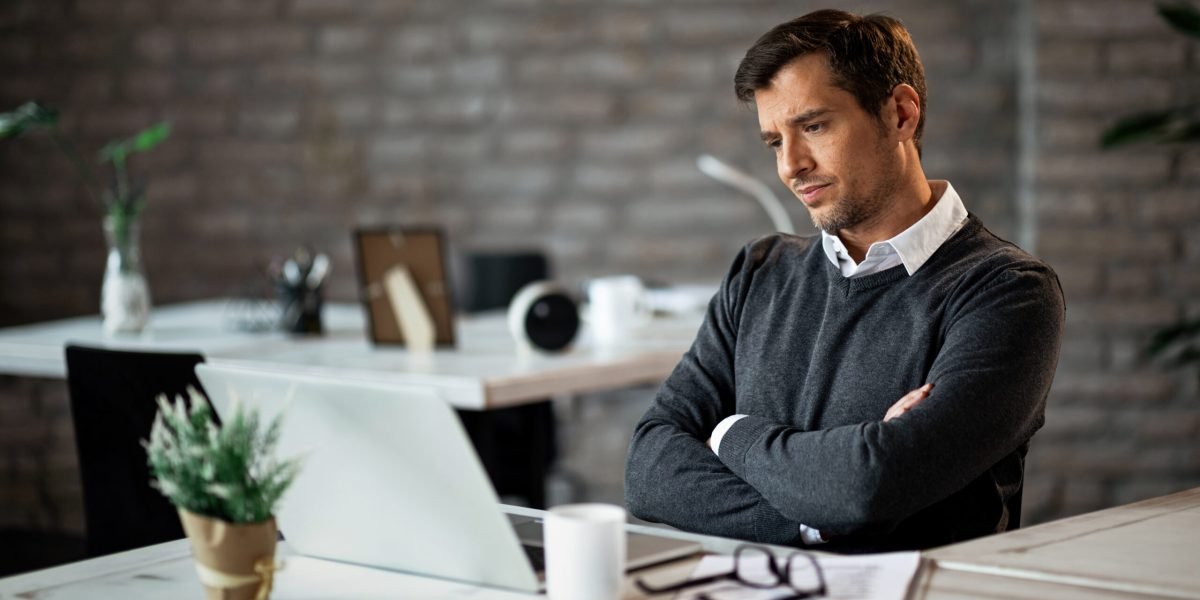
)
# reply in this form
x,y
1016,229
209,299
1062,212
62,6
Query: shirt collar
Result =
x,y
916,244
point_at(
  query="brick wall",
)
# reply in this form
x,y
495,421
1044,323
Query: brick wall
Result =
x,y
574,127
1121,229
39,471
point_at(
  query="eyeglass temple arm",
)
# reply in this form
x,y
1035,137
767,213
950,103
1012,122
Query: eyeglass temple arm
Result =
x,y
682,585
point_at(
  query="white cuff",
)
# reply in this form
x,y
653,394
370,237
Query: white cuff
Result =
x,y
810,536
720,430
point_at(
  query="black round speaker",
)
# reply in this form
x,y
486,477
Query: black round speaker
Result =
x,y
543,316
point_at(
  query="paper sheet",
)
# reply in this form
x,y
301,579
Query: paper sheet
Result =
x,y
869,576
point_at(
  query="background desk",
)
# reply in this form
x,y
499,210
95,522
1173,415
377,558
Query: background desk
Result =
x,y
485,370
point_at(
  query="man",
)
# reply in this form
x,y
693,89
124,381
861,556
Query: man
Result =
x,y
875,387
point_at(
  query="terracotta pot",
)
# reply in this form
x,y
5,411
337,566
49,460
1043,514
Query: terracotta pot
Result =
x,y
235,561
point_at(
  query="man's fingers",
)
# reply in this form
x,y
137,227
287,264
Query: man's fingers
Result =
x,y
908,401
913,397
917,395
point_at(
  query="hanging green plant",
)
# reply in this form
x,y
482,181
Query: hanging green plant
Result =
x,y
1179,344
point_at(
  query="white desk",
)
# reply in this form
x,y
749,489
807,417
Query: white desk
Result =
x,y
1148,548
485,370
166,570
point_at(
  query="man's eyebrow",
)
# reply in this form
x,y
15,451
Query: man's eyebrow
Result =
x,y
807,116
796,120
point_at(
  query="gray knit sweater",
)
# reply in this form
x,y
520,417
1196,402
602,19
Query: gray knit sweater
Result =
x,y
816,359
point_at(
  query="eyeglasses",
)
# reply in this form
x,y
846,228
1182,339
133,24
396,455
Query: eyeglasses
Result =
x,y
755,566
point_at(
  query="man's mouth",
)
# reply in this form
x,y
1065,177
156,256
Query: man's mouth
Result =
x,y
809,193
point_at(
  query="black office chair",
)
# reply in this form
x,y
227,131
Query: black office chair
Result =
x,y
1013,504
516,445
113,406
1014,510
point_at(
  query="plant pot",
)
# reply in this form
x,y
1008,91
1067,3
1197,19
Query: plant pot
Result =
x,y
235,561
124,295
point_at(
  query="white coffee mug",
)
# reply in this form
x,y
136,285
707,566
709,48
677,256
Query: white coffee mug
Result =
x,y
616,306
585,551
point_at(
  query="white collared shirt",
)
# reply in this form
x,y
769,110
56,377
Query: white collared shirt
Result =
x,y
911,247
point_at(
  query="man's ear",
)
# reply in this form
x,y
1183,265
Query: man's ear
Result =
x,y
904,111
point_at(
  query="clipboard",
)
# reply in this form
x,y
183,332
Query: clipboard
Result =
x,y
414,258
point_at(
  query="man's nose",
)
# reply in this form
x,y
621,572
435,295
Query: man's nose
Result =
x,y
794,161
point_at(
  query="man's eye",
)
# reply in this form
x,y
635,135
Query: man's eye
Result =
x,y
814,127
775,144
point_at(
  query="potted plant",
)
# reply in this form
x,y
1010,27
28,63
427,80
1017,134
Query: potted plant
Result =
x,y
124,296
226,484
1178,343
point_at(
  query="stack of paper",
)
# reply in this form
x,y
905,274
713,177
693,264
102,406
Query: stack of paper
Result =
x,y
869,577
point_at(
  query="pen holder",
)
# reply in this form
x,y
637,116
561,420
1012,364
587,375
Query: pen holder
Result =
x,y
300,309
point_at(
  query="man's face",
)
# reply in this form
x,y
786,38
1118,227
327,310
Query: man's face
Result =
x,y
835,157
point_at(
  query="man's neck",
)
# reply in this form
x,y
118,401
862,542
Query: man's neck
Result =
x,y
912,201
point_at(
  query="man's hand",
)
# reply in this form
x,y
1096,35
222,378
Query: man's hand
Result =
x,y
906,403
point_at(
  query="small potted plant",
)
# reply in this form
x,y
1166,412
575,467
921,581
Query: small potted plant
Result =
x,y
226,483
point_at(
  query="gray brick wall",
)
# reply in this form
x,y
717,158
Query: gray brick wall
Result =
x,y
1117,226
574,127
39,470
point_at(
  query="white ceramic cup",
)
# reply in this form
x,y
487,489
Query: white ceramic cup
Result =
x,y
585,551
616,306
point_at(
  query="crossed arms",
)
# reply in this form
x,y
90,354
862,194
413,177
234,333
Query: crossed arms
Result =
x,y
990,378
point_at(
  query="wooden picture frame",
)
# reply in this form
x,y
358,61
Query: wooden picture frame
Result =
x,y
421,252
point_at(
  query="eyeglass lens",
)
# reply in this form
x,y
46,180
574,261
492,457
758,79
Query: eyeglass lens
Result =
x,y
755,566
802,573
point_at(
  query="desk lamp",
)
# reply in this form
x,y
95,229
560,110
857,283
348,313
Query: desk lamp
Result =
x,y
736,178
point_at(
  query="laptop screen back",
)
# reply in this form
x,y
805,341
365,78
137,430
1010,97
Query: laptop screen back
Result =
x,y
389,478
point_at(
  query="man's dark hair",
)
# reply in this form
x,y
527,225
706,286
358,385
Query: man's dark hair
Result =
x,y
867,55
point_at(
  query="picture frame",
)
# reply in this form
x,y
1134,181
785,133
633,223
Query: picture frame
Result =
x,y
421,253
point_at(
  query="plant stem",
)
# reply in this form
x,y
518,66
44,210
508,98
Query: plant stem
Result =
x,y
121,198
88,180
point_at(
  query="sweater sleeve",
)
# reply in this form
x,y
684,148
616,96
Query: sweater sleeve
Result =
x,y
671,476
991,377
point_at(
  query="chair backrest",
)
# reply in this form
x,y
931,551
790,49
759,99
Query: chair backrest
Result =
x,y
493,278
1014,510
516,444
1013,504
113,406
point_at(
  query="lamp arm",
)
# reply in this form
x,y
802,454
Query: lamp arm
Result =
x,y
735,178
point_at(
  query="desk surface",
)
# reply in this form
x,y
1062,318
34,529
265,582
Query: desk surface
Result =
x,y
486,370
1150,547
166,571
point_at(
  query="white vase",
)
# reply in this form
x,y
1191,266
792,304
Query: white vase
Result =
x,y
124,295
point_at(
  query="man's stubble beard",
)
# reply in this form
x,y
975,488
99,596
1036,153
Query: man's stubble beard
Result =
x,y
853,210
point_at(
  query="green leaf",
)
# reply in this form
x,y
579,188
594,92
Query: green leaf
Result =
x,y
116,152
1179,124
151,137
1182,16
113,152
26,116
1167,337
1189,355
226,473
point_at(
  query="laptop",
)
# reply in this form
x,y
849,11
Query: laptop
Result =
x,y
390,480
